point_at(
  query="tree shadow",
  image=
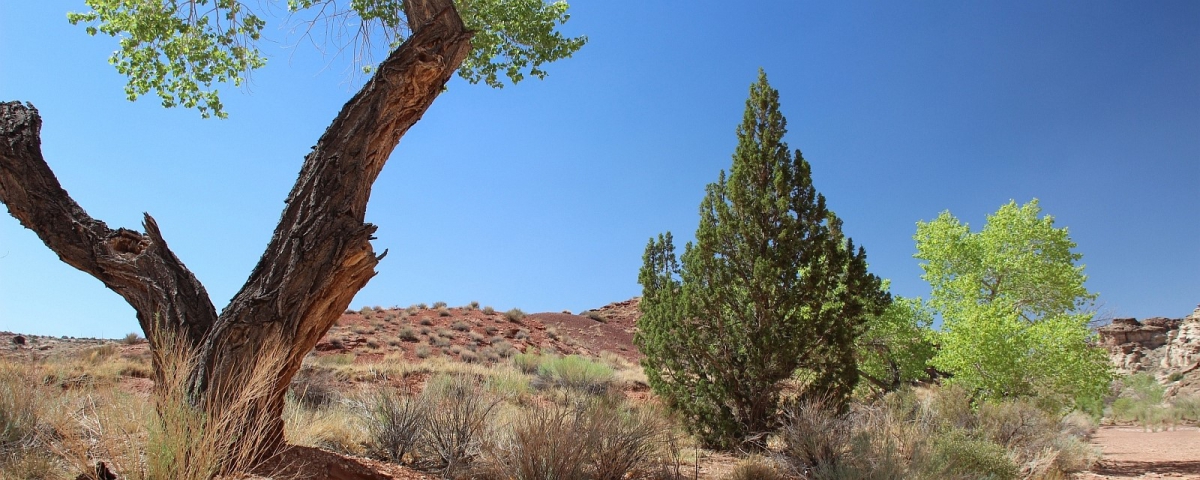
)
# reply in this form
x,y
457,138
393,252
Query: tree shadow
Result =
x,y
1134,468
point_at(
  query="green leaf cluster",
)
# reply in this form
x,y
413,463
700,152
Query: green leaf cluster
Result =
x,y
1012,302
769,288
178,49
895,349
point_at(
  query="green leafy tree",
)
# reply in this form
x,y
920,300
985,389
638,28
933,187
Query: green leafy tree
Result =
x,y
768,288
895,348
179,49
1012,302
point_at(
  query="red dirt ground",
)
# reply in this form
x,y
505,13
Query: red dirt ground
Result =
x,y
1130,452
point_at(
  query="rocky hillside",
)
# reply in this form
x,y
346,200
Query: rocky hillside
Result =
x,y
1165,347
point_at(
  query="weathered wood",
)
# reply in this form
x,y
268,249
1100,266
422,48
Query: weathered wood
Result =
x,y
319,257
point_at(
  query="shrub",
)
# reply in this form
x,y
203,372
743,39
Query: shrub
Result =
x,y
312,388
457,418
545,442
407,333
440,341
956,454
422,351
623,440
469,356
521,334
514,315
443,312
754,468
1188,407
597,316
814,435
396,423
1175,377
366,311
425,330
439,304
475,337
474,305
527,362
576,372
593,440
461,326
132,338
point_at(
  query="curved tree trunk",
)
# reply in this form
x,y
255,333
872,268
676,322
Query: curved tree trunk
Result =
x,y
319,257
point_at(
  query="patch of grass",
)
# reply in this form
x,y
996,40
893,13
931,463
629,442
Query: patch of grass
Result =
x,y
514,315
333,426
461,326
488,310
335,360
426,321
439,304
443,312
408,334
474,305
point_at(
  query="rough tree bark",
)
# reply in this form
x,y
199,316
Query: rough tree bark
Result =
x,y
319,257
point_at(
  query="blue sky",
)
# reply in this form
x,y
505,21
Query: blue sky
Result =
x,y
543,195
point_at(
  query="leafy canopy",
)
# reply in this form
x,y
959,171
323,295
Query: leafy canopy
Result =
x,y
1012,303
179,49
895,348
768,288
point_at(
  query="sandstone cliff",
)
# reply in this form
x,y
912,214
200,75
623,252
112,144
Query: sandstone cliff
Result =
x,y
1163,347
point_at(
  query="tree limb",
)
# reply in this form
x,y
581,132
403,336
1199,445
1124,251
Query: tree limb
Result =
x,y
139,267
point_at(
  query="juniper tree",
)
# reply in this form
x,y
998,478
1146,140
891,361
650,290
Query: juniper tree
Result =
x,y
768,289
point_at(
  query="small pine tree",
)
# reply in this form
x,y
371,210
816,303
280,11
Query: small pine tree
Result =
x,y
768,289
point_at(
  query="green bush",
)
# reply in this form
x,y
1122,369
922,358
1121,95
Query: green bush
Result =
x,y
527,362
576,372
956,454
514,315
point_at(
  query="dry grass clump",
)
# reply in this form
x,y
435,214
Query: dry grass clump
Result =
x,y
932,433
755,468
592,438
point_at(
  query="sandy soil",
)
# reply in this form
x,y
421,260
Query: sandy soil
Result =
x,y
1130,452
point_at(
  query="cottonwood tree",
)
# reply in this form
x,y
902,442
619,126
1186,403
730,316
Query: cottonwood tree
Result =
x,y
320,254
895,348
768,288
1013,307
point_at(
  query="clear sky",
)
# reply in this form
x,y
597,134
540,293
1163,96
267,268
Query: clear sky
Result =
x,y
543,195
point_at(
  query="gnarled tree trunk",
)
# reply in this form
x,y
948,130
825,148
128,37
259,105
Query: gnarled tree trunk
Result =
x,y
319,257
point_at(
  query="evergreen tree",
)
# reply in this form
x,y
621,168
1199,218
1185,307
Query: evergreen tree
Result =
x,y
768,289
